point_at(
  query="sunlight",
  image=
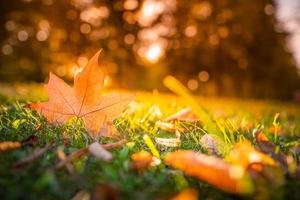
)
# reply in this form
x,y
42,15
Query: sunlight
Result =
x,y
149,12
131,4
107,81
74,70
153,53
23,35
82,61
149,99
94,15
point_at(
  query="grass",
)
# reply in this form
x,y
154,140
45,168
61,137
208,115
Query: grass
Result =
x,y
41,180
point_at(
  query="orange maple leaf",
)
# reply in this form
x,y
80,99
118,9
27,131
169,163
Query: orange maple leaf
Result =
x,y
211,169
83,100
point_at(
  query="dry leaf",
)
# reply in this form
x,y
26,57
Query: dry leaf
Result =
x,y
141,160
168,142
273,176
211,169
82,195
183,115
269,148
98,151
83,100
166,126
243,153
105,192
186,194
9,145
211,144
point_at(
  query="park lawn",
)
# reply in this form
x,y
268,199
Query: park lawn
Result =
x,y
235,119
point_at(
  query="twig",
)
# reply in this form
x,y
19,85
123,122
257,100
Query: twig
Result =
x,y
85,151
62,156
114,145
72,156
36,154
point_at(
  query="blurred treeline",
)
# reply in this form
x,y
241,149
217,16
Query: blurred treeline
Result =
x,y
216,47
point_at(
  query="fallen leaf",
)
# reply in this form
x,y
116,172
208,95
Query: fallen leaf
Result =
x,y
243,153
9,145
269,148
141,160
273,176
81,195
105,192
166,126
186,194
211,144
185,114
211,169
168,142
108,129
83,100
98,151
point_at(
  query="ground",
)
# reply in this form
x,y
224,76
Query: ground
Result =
x,y
236,120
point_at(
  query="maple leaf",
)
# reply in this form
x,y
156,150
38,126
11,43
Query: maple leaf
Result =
x,y
211,169
83,100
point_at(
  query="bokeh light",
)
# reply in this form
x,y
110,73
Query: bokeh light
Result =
x,y
157,38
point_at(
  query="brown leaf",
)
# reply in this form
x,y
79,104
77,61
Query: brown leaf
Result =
x,y
211,144
141,160
98,151
211,169
105,192
269,148
81,195
9,145
273,176
186,194
183,115
83,100
243,153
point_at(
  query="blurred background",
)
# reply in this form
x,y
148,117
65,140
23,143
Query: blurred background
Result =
x,y
239,48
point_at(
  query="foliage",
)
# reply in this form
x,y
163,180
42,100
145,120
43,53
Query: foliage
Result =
x,y
84,100
40,179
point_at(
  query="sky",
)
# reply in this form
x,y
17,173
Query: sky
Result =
x,y
288,15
